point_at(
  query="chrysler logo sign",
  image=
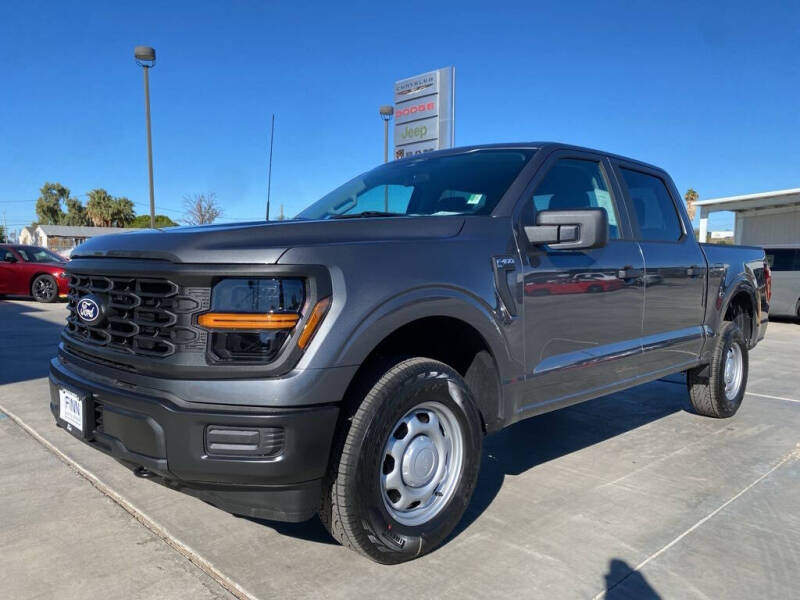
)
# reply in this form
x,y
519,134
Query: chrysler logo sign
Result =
x,y
89,311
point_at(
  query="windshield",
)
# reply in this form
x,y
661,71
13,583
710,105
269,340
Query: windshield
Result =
x,y
471,183
39,255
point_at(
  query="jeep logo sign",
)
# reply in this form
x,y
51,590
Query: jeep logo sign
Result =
x,y
424,113
89,311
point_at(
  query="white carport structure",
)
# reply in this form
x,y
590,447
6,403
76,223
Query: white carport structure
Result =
x,y
765,218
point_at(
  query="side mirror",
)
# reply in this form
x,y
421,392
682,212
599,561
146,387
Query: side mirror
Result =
x,y
581,229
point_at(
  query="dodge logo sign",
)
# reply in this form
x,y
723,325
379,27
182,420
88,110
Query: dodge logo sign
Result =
x,y
89,311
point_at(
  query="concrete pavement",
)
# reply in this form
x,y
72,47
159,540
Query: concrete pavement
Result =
x,y
627,496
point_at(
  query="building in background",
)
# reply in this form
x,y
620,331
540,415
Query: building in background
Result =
x,y
722,237
768,218
62,238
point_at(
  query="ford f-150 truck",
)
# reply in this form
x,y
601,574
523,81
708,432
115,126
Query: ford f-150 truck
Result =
x,y
349,362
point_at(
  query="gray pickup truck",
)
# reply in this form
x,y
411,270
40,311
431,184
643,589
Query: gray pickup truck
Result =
x,y
349,362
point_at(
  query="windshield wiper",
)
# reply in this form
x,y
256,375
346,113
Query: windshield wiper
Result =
x,y
369,213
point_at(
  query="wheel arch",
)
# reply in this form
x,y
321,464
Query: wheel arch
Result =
x,y
455,330
741,297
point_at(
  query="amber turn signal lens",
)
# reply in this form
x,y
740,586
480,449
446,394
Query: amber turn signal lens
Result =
x,y
247,321
313,322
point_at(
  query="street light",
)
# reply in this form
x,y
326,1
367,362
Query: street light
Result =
x,y
146,58
386,111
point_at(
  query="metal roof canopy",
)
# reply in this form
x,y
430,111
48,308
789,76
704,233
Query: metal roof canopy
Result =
x,y
745,202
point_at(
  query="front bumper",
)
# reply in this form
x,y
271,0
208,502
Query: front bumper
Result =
x,y
160,436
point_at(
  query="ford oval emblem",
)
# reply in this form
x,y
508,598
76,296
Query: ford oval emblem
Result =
x,y
89,311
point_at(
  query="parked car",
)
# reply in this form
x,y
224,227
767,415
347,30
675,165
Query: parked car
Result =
x,y
32,271
580,283
785,264
350,362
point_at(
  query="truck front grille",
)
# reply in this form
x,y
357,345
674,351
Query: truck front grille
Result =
x,y
142,316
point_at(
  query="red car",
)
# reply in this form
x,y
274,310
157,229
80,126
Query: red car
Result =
x,y
32,271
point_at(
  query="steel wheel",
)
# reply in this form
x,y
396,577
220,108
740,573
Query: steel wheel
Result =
x,y
733,371
422,463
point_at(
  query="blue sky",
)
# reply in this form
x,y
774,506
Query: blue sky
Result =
x,y
709,91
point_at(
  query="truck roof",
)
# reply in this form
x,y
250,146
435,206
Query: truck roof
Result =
x,y
547,146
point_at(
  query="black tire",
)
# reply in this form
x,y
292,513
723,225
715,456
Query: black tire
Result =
x,y
707,383
593,289
44,289
354,509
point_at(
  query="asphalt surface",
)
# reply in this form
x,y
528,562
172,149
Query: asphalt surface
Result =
x,y
627,496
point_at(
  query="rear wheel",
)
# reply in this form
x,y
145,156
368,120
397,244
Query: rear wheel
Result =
x,y
44,288
403,473
717,390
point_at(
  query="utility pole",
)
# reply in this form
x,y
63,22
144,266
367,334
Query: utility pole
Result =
x,y
269,177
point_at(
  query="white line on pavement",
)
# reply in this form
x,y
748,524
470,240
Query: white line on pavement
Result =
x,y
772,397
795,453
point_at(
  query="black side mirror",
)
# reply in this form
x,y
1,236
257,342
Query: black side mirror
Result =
x,y
570,229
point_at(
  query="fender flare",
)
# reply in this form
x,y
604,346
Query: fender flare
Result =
x,y
433,301
741,283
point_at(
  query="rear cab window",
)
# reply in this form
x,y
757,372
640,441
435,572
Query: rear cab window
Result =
x,y
653,207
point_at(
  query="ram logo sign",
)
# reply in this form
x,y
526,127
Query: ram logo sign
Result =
x,y
424,113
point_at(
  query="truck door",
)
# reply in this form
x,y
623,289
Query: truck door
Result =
x,y
675,269
582,308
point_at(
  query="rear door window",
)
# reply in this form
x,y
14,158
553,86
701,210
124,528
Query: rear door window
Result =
x,y
653,207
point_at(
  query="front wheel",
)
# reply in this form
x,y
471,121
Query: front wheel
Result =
x,y
403,474
44,288
717,390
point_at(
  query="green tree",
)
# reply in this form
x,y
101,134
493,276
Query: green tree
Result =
x,y
48,205
691,197
100,208
143,222
122,214
3,234
76,214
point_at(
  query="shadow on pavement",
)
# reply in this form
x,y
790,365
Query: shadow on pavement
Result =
x,y
550,436
541,439
29,336
622,582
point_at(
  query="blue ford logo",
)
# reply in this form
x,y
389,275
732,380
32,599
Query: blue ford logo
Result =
x,y
89,311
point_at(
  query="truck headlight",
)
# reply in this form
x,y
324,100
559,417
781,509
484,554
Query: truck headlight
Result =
x,y
252,319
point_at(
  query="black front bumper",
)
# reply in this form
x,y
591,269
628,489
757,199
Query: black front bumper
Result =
x,y
160,436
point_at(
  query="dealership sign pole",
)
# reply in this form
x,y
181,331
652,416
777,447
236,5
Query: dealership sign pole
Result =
x,y
424,112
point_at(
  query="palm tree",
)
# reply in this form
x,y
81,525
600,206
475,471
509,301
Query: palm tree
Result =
x,y
122,213
100,207
691,197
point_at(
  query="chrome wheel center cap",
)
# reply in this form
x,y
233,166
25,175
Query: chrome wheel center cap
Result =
x,y
420,461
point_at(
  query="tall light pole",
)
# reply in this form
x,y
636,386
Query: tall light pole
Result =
x,y
386,111
146,58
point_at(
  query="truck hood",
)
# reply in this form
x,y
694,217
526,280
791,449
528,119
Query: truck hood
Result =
x,y
261,242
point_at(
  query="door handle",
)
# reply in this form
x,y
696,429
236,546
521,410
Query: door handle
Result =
x,y
694,271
